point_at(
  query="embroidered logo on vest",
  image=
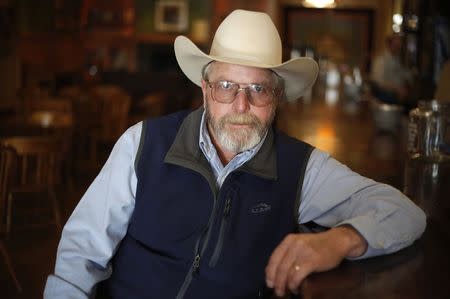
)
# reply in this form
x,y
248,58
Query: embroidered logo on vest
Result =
x,y
260,208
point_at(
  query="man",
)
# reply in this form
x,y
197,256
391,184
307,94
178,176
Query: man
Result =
x,y
207,204
391,81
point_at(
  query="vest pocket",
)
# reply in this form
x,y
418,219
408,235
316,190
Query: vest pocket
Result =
x,y
223,227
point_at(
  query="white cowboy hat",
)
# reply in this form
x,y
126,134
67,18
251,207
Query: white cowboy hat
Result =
x,y
248,38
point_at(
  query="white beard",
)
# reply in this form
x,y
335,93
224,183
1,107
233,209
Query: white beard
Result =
x,y
238,140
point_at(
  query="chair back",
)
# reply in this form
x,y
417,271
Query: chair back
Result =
x,y
112,106
39,161
7,172
115,116
100,118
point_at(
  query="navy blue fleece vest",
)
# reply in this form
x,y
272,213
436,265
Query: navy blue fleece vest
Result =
x,y
189,239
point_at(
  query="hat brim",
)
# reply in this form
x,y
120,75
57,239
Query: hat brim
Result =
x,y
299,74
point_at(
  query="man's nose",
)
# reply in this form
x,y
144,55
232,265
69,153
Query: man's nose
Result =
x,y
242,101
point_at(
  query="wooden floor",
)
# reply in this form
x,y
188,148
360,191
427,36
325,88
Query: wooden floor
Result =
x,y
343,127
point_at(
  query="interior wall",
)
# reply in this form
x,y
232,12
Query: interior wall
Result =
x,y
145,14
342,37
382,18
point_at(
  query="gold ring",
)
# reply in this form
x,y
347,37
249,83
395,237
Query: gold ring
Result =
x,y
297,268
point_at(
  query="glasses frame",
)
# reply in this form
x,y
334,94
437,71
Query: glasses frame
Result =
x,y
210,84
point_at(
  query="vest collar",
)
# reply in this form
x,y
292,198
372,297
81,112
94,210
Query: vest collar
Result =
x,y
186,152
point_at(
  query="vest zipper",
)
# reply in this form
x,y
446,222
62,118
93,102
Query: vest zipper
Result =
x,y
194,269
196,262
223,226
195,266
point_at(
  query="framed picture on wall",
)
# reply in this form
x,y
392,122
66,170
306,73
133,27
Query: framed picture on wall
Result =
x,y
171,16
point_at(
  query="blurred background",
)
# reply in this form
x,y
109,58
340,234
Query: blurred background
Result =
x,y
74,74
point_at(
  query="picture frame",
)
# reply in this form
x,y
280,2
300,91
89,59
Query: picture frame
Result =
x,y
171,16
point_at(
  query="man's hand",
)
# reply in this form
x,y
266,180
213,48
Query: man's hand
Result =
x,y
298,255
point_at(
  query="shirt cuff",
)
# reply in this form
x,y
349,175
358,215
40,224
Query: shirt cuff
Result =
x,y
57,288
378,243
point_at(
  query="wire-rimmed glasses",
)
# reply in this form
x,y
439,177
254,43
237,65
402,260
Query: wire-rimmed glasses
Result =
x,y
224,91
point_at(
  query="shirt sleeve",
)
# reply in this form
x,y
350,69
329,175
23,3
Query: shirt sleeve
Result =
x,y
97,225
333,195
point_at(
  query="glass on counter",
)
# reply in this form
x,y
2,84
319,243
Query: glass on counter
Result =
x,y
429,132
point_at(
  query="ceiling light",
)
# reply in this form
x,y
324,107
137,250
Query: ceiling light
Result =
x,y
319,3
397,19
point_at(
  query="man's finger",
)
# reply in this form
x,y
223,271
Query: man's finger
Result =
x,y
296,276
274,261
284,268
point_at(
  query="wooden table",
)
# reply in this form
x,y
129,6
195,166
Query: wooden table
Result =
x,y
40,123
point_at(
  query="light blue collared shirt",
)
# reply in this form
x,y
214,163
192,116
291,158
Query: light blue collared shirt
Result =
x,y
332,195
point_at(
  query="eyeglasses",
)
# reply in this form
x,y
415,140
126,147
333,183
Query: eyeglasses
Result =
x,y
226,91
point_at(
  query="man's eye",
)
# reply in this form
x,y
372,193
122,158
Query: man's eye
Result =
x,y
225,84
257,88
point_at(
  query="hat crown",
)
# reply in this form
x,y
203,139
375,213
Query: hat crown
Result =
x,y
248,36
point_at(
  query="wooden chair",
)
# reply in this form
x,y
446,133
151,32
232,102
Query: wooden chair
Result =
x,y
113,116
100,119
154,104
150,106
87,119
59,125
39,171
7,168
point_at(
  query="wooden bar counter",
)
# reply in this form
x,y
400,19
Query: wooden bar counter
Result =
x,y
347,132
419,271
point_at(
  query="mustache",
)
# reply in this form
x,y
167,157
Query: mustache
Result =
x,y
241,119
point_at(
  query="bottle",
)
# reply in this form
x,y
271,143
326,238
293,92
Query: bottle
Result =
x,y
429,132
